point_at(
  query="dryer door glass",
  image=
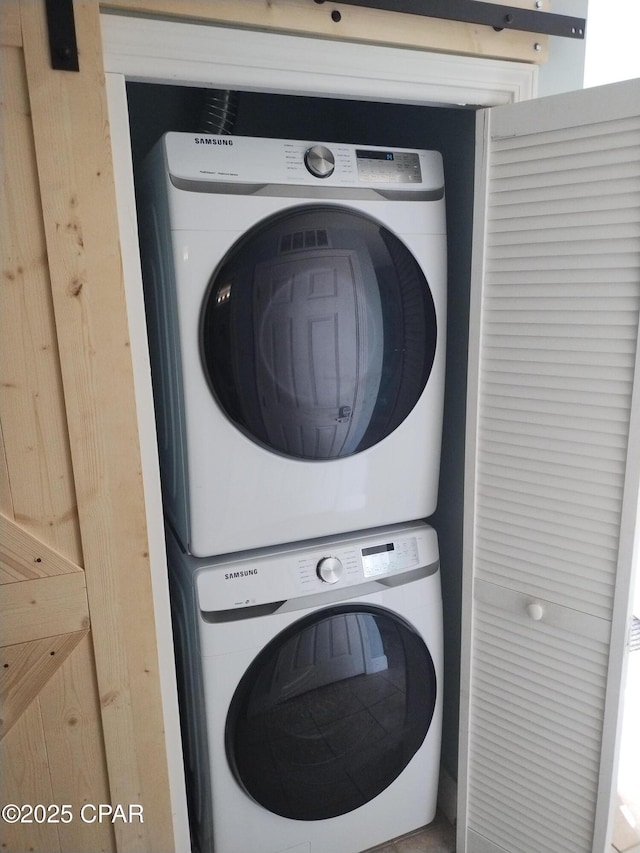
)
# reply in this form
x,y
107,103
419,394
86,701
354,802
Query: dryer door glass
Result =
x,y
318,333
331,712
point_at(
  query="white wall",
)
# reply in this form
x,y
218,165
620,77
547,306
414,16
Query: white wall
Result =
x,y
564,70
608,53
612,41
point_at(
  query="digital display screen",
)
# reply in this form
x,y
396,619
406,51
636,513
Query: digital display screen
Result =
x,y
374,155
377,549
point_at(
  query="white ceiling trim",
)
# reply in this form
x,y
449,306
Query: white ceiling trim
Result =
x,y
204,55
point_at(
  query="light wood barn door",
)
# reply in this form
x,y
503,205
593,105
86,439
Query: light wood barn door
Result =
x,y
82,720
51,745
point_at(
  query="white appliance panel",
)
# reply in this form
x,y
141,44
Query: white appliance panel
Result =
x,y
244,160
223,491
223,649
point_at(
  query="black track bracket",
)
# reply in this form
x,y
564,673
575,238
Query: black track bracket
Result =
x,y
63,47
489,14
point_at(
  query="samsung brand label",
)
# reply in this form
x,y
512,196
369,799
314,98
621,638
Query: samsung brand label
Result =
x,y
245,573
212,140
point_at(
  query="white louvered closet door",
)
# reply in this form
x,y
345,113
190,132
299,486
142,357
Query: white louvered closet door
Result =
x,y
552,455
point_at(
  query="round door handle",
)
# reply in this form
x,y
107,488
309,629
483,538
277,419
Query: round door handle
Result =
x,y
535,611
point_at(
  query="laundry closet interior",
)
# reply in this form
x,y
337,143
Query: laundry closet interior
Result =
x,y
156,109
537,495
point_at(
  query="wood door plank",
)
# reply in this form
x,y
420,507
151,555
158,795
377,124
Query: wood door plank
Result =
x,y
24,670
73,153
70,709
10,30
25,779
6,502
39,477
24,557
355,24
44,607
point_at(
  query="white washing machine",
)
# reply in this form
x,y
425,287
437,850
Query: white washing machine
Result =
x,y
296,297
311,691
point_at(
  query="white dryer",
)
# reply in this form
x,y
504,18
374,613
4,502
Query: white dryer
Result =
x,y
311,691
296,298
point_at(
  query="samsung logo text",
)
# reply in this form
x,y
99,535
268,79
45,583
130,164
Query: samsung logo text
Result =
x,y
212,140
243,574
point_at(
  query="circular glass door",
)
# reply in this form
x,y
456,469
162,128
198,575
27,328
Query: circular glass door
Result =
x,y
318,333
331,712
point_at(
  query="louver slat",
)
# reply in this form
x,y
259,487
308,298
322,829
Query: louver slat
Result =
x,y
560,310
581,413
535,740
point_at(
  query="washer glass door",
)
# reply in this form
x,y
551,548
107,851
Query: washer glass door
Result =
x,y
318,332
331,711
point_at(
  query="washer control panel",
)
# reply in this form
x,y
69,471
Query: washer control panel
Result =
x,y
281,573
389,557
351,565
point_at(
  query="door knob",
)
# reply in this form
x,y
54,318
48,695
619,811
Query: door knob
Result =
x,y
535,611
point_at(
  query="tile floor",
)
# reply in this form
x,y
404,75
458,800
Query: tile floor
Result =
x,y
626,832
438,837
626,828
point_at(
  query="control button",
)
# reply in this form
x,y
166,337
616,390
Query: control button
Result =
x,y
320,161
330,570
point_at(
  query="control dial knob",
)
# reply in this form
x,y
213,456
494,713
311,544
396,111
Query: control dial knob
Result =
x,y
320,161
330,569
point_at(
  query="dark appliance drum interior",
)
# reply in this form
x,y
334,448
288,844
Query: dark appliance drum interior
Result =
x,y
331,712
318,333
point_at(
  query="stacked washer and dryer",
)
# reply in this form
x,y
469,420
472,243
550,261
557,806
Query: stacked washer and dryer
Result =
x,y
296,305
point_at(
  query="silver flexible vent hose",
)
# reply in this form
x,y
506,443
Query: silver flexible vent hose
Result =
x,y
219,112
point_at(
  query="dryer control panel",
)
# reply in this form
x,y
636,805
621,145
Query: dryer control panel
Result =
x,y
246,165
401,167
279,574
